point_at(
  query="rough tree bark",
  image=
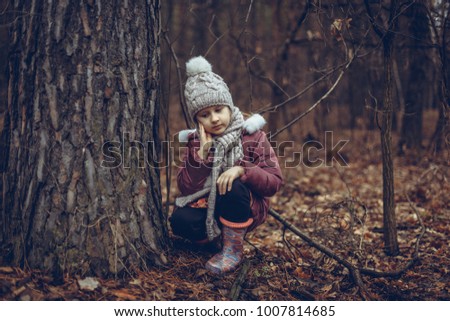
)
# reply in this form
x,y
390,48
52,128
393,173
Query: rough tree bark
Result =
x,y
81,74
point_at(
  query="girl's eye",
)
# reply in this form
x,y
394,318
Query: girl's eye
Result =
x,y
219,109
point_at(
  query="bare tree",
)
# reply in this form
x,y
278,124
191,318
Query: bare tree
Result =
x,y
387,35
78,194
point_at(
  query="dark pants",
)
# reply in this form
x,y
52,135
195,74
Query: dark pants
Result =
x,y
234,206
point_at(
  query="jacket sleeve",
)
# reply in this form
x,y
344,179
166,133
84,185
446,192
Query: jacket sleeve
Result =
x,y
193,171
262,171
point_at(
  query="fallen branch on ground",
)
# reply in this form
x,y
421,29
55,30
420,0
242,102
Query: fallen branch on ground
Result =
x,y
355,271
240,279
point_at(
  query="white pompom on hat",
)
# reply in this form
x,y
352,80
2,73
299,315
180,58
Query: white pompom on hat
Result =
x,y
204,88
197,65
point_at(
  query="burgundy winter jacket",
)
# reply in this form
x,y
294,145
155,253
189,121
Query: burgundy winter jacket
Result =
x,y
262,172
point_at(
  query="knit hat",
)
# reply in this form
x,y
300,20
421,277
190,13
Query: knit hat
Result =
x,y
203,87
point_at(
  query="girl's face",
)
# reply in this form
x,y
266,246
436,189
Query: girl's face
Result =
x,y
215,119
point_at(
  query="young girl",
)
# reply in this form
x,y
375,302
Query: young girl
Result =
x,y
228,172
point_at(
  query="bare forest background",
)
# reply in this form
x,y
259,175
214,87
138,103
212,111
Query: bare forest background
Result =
x,y
374,73
281,57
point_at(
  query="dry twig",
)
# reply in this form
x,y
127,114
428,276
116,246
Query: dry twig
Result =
x,y
180,84
355,271
240,279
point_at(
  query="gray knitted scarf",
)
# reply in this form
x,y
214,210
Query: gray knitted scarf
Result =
x,y
227,150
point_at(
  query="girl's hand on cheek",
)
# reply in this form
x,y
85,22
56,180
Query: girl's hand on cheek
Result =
x,y
226,179
205,142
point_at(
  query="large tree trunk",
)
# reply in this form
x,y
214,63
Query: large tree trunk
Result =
x,y
81,74
420,66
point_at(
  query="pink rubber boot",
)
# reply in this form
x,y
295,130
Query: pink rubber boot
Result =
x,y
233,247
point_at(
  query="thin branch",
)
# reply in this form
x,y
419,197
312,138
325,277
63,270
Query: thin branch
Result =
x,y
344,66
302,92
283,52
180,83
357,278
251,71
248,12
214,43
288,243
2,12
354,270
325,96
244,52
322,248
375,26
240,279
422,231
297,27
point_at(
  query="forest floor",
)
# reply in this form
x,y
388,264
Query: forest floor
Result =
x,y
337,206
